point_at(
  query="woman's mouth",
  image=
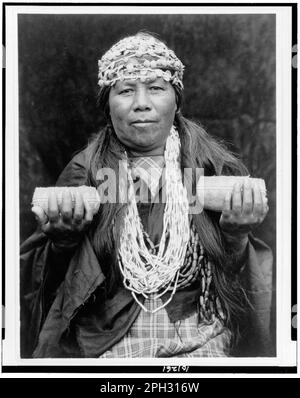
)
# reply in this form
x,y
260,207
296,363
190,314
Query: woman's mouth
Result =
x,y
142,122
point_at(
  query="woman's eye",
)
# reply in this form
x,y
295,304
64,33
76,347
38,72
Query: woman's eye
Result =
x,y
126,91
156,88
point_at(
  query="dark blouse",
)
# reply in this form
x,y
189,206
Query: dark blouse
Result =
x,y
65,310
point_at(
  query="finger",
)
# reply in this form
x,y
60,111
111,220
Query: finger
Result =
x,y
88,216
53,211
264,213
247,206
66,208
258,206
227,205
40,215
237,199
78,208
265,201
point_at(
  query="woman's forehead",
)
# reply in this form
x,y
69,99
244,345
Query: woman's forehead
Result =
x,y
138,82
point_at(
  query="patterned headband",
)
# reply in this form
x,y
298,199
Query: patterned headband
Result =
x,y
140,57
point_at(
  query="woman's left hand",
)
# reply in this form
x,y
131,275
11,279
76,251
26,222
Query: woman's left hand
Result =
x,y
244,209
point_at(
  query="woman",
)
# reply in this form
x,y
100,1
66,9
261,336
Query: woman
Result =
x,y
146,278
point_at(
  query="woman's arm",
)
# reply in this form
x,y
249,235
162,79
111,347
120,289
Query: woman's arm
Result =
x,y
44,260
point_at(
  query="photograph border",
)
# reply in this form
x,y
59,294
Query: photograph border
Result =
x,y
140,369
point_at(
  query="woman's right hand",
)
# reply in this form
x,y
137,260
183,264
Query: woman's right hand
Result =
x,y
65,223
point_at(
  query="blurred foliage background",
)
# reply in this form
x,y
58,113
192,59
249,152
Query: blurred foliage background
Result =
x,y
229,87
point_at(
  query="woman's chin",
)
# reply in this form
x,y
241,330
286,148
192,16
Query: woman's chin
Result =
x,y
144,143
146,149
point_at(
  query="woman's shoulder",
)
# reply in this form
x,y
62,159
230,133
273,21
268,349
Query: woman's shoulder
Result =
x,y
76,171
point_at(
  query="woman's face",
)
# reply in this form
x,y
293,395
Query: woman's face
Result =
x,y
142,114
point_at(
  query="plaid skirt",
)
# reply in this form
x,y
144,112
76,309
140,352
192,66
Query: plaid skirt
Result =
x,y
154,335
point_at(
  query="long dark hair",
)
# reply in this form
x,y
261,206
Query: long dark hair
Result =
x,y
198,150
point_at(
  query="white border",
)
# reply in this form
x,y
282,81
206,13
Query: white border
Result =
x,y
286,350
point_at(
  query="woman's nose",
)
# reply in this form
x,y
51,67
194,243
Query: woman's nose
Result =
x,y
142,100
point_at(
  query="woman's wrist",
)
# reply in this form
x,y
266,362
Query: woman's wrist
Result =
x,y
237,242
60,247
66,241
236,248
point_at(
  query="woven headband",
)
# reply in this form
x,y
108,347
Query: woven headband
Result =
x,y
140,57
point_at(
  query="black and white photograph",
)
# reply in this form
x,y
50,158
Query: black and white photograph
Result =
x,y
152,164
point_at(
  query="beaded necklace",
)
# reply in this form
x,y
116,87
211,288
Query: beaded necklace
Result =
x,y
152,270
197,268
144,272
